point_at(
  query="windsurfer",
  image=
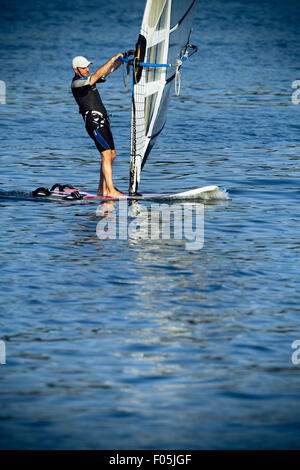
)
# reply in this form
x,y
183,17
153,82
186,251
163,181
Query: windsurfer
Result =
x,y
95,115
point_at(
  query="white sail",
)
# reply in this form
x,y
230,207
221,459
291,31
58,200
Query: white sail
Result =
x,y
163,39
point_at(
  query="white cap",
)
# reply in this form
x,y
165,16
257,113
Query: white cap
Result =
x,y
80,61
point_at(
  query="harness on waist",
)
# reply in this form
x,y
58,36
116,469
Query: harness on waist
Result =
x,y
95,119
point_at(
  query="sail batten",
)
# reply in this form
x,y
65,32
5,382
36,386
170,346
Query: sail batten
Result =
x,y
162,44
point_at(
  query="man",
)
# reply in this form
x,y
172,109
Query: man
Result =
x,y
95,116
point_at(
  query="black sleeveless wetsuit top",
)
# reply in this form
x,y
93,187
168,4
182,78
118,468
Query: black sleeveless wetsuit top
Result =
x,y
87,96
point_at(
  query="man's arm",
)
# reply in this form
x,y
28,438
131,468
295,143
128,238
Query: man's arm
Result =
x,y
110,66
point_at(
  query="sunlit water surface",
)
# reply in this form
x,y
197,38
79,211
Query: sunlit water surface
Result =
x,y
140,343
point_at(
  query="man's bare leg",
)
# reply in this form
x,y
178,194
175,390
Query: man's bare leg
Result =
x,y
106,185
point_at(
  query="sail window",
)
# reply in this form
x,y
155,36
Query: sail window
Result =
x,y
155,56
155,12
150,102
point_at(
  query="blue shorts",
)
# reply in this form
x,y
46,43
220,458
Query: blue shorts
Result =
x,y
98,128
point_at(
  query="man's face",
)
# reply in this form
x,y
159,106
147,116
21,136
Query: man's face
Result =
x,y
84,71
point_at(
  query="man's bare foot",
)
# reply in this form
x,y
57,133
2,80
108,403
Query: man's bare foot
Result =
x,y
113,194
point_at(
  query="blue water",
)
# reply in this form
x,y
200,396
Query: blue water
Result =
x,y
143,343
